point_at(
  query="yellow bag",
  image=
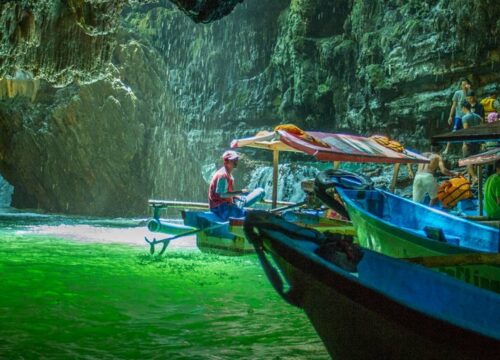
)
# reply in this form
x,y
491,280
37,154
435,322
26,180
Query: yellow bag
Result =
x,y
452,191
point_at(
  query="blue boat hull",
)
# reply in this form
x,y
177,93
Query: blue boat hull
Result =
x,y
400,228
388,309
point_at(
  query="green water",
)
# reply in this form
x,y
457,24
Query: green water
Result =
x,y
86,298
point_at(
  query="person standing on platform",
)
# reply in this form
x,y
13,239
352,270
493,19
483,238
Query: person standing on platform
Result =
x,y
455,118
470,119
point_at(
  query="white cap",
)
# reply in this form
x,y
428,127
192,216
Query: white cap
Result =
x,y
230,155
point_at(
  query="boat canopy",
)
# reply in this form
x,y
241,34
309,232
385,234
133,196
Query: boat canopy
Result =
x,y
329,146
483,158
479,133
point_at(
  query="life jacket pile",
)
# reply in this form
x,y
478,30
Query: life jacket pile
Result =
x,y
452,191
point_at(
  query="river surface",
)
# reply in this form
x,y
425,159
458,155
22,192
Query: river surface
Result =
x,y
80,288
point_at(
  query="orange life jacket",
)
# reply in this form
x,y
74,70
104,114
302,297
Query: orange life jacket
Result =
x,y
452,191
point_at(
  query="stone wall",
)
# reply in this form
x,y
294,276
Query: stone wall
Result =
x,y
104,128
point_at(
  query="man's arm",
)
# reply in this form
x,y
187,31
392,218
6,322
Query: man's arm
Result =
x,y
443,168
222,189
452,112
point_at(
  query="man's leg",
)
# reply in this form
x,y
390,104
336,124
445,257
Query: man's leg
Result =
x,y
233,211
457,125
468,150
255,196
220,211
418,191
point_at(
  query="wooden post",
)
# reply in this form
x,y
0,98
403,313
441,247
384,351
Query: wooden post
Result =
x,y
480,189
394,177
276,157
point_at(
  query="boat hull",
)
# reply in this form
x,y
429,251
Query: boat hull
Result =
x,y
356,323
316,222
234,246
380,235
382,308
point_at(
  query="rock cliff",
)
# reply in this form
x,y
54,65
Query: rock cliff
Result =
x,y
104,104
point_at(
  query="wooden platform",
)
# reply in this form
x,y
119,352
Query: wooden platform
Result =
x,y
484,132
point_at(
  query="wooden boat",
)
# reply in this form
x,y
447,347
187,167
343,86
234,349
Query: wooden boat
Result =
x,y
401,228
375,307
226,237
212,234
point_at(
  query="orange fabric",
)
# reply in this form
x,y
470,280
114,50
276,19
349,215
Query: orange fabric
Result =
x,y
452,191
293,129
388,143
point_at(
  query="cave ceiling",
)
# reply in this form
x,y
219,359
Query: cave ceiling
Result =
x,y
62,41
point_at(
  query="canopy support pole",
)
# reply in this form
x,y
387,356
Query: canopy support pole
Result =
x,y
394,177
276,157
480,189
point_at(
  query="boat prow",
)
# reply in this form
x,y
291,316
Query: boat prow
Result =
x,y
401,228
386,308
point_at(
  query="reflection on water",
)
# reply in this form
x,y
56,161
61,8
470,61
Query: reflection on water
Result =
x,y
74,289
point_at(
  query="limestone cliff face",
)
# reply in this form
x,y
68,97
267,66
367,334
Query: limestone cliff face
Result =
x,y
148,114
72,40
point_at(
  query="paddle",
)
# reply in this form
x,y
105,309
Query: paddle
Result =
x,y
287,207
456,260
166,241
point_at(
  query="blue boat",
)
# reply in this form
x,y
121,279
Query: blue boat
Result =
x,y
401,228
213,234
366,305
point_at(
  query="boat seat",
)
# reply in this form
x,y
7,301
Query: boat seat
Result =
x,y
435,233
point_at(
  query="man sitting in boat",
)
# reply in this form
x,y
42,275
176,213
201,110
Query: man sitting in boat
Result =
x,y
492,194
221,193
425,181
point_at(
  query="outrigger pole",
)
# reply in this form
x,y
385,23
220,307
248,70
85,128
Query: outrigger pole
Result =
x,y
166,241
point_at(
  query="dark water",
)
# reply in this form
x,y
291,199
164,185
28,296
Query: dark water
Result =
x,y
88,289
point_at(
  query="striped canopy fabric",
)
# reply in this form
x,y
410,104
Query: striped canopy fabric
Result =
x,y
330,147
483,158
